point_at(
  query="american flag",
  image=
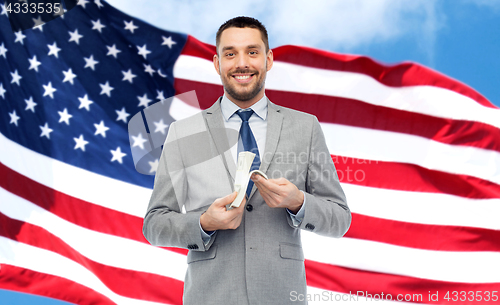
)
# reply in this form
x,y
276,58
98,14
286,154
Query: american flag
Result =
x,y
417,153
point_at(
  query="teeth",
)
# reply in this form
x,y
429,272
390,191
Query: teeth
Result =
x,y
242,76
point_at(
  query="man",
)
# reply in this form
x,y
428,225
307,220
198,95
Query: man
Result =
x,y
251,254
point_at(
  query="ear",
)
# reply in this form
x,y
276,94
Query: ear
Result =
x,y
270,58
216,64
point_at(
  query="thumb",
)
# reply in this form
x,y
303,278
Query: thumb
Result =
x,y
226,199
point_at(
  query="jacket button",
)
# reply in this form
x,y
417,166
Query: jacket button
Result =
x,y
249,207
310,226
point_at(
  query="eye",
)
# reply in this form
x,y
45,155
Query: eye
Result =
x,y
253,53
229,54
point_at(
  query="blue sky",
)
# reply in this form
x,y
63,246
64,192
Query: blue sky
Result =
x,y
460,38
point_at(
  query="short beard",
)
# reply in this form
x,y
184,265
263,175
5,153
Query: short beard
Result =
x,y
245,96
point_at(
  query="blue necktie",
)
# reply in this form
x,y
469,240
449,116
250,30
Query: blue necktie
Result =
x,y
249,143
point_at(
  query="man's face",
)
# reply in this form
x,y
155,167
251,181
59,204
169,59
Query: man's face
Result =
x,y
242,63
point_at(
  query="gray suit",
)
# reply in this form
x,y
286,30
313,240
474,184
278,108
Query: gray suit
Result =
x,y
262,261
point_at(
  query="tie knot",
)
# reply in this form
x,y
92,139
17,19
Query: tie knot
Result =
x,y
244,114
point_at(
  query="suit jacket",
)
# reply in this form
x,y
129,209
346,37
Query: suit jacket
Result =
x,y
261,262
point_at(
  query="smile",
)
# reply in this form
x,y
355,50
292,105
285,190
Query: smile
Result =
x,y
243,78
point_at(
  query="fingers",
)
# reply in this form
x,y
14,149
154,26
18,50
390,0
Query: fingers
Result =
x,y
220,202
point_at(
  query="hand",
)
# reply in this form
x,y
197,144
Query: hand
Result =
x,y
218,218
279,193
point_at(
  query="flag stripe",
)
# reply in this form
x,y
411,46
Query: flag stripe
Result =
x,y
375,174
428,237
424,208
379,145
400,75
111,248
28,281
343,111
448,266
403,206
102,248
125,282
21,255
352,280
70,208
356,113
105,191
427,100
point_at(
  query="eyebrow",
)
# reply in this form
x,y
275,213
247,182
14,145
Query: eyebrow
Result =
x,y
252,46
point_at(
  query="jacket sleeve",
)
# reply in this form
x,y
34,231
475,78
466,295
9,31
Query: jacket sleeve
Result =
x,y
326,210
165,224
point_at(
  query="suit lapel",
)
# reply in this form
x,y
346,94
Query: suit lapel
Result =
x,y
216,127
274,123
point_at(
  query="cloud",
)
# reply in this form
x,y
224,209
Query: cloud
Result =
x,y
336,25
495,5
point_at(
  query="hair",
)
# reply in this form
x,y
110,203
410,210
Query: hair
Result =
x,y
243,22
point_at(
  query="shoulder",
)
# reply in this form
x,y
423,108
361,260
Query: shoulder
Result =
x,y
293,115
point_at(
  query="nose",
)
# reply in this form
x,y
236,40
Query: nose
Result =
x,y
242,62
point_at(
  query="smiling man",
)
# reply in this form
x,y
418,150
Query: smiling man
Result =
x,y
251,254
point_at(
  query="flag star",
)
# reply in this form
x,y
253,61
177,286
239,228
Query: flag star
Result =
x,y
149,69
3,51
46,130
160,126
49,90
113,51
98,3
30,104
128,76
38,23
54,50
82,3
130,26
154,166
75,36
65,116
2,91
160,96
19,37
80,143
15,78
101,129
90,62
139,141
106,89
117,155
143,100
69,76
122,115
4,10
143,51
14,118
34,63
85,102
97,25
168,42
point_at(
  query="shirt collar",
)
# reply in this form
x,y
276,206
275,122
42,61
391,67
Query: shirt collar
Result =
x,y
229,108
